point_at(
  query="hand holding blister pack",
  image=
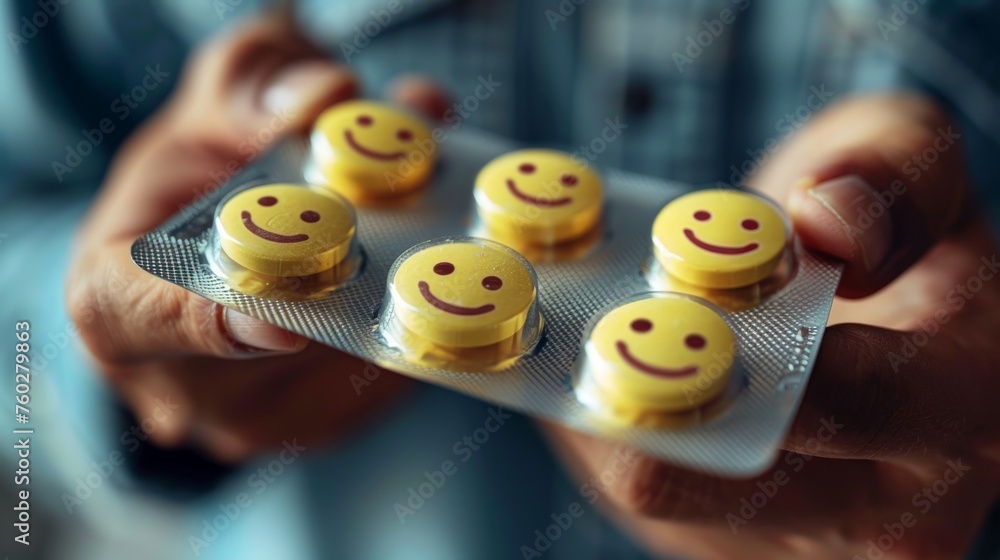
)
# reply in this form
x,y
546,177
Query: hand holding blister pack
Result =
x,y
683,323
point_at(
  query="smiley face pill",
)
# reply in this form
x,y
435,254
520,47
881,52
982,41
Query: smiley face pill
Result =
x,y
720,238
539,196
369,149
462,292
285,230
660,353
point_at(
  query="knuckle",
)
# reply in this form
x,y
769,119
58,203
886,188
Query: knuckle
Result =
x,y
79,306
204,324
640,492
929,112
654,489
165,439
189,321
164,431
196,322
88,305
244,47
220,51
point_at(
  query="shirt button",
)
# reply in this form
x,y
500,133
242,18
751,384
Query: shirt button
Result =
x,y
639,97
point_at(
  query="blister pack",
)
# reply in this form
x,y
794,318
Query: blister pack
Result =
x,y
682,322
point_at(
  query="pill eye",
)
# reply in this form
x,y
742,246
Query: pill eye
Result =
x,y
444,268
267,201
750,224
642,325
404,135
364,120
492,283
694,341
568,180
702,216
310,216
527,168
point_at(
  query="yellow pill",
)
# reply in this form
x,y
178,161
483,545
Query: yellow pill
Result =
x,y
539,196
364,148
464,292
286,230
720,238
661,353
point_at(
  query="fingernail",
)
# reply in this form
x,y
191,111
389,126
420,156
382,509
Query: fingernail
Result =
x,y
257,337
858,208
301,87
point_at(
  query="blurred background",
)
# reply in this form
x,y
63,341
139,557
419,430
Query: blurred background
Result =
x,y
78,76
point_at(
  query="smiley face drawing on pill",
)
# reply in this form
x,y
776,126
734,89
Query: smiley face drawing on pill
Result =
x,y
285,229
539,196
462,292
665,353
364,148
720,238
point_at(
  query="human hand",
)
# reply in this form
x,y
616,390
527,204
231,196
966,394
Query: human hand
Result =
x,y
235,386
894,451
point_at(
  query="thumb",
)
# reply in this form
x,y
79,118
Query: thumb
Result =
x,y
879,200
861,209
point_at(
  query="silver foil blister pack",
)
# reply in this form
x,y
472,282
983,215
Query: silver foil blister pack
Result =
x,y
543,369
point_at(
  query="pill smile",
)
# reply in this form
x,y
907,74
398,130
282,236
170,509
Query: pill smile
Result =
x,y
719,249
425,290
368,152
270,235
543,202
653,370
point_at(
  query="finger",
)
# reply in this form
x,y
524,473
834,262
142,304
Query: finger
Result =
x,y
877,183
239,81
242,409
174,396
162,412
132,315
240,95
645,486
871,397
856,407
421,93
328,406
925,386
124,314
